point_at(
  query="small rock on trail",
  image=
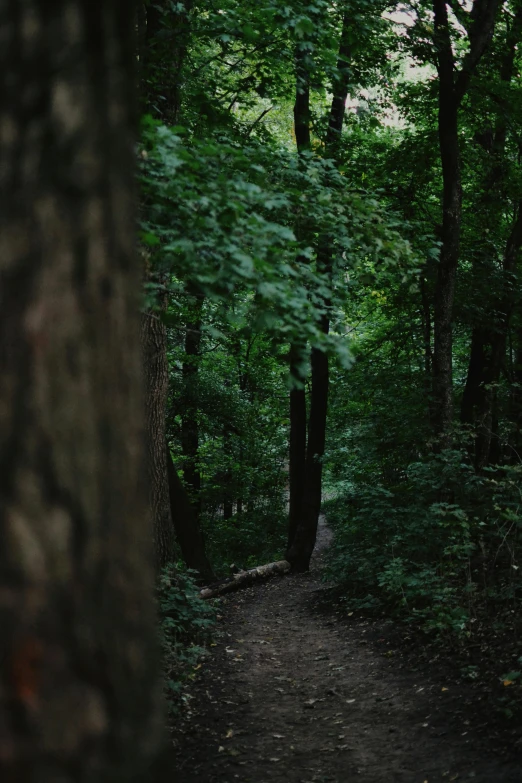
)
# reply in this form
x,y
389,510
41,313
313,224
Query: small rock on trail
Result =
x,y
294,693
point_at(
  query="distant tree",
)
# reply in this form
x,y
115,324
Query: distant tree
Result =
x,y
78,657
307,445
453,85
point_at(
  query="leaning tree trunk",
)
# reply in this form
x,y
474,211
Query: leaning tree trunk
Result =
x,y
78,657
154,348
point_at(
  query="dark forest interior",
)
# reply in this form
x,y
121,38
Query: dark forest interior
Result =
x,y
261,351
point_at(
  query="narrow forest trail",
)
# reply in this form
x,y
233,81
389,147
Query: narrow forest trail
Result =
x,y
296,693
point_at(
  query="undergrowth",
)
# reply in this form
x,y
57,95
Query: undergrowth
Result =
x,y
248,539
186,625
439,549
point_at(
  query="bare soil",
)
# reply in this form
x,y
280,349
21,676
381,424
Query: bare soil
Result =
x,y
296,691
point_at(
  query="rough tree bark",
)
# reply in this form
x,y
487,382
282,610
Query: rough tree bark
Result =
x,y
163,38
154,348
453,85
304,516
78,657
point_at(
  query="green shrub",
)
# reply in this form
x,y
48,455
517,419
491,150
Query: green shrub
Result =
x,y
438,549
186,623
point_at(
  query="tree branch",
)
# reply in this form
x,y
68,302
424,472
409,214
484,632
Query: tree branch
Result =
x,y
483,16
442,40
258,120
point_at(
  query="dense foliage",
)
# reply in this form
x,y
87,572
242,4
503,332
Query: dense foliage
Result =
x,y
260,239
186,626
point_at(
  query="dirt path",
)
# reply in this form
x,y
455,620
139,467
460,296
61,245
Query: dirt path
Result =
x,y
295,693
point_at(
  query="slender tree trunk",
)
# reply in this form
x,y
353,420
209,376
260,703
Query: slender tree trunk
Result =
x,y
487,358
515,413
297,394
451,227
340,90
297,455
167,32
304,514
297,464
302,116
427,332
189,416
228,507
453,85
303,542
488,446
78,655
503,309
154,347
488,346
186,523
473,390
228,495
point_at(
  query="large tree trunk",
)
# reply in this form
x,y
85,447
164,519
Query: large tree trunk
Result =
x,y
78,656
154,347
186,523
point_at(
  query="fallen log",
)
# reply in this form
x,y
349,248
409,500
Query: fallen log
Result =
x,y
245,578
